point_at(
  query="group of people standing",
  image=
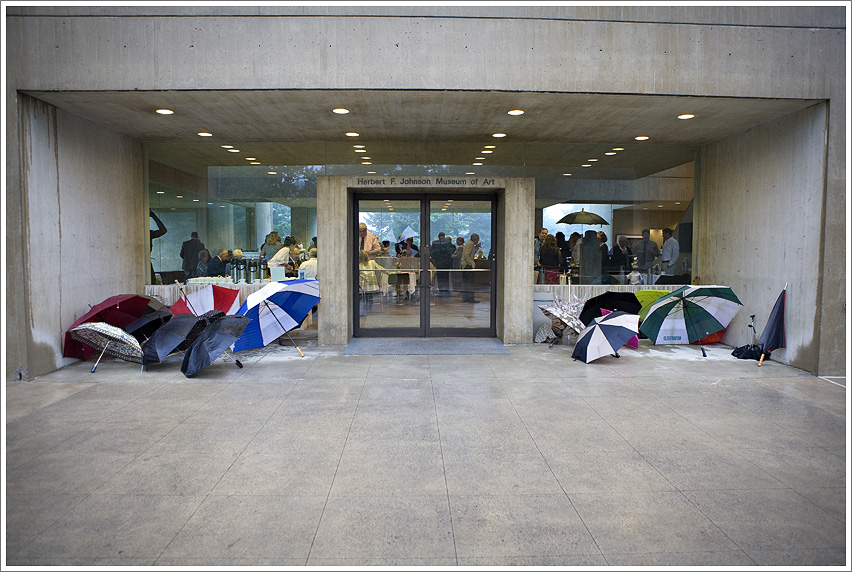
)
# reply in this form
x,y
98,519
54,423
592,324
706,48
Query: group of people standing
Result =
x,y
553,254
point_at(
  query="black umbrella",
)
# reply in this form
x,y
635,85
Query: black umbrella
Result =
x,y
201,322
582,217
624,301
143,327
167,338
773,336
212,342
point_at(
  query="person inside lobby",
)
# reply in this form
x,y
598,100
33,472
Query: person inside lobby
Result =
x,y
216,266
368,242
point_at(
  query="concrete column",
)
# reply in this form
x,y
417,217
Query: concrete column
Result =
x,y
263,221
334,268
515,248
299,225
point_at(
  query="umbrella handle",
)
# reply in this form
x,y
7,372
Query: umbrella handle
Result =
x,y
762,355
94,367
185,297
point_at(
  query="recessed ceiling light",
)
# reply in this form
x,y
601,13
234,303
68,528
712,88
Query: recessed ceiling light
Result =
x,y
686,116
179,196
255,163
618,148
567,174
480,158
365,157
470,173
164,111
498,134
251,158
359,146
387,200
641,137
161,192
371,172
340,111
173,208
272,172
227,146
360,150
487,151
204,134
644,208
221,206
366,163
476,163
516,112
610,153
660,206
586,165
591,159
449,200
490,147
233,150
677,203
209,203
195,200
352,134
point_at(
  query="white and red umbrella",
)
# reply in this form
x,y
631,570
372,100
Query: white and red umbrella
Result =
x,y
207,299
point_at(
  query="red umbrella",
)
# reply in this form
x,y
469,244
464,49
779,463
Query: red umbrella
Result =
x,y
118,311
207,299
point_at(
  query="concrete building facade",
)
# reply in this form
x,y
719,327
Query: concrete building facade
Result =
x,y
769,199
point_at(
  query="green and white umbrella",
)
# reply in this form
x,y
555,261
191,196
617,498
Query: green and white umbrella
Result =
x,y
689,314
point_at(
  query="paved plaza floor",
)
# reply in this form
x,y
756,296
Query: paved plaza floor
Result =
x,y
660,457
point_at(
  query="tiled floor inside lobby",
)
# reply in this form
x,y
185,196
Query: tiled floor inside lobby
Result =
x,y
660,457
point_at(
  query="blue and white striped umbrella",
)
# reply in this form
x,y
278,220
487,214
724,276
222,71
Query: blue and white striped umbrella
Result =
x,y
276,309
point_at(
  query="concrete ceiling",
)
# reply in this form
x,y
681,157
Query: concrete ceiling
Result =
x,y
558,132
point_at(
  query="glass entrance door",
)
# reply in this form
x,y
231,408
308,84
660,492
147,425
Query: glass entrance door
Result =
x,y
425,265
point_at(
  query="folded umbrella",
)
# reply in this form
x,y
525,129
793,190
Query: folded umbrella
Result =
x,y
119,311
611,300
773,335
276,309
212,297
108,339
212,342
689,314
605,335
201,322
167,338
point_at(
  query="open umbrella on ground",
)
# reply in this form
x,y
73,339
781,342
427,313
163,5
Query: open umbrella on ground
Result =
x,y
201,323
689,314
143,327
108,339
213,342
646,298
119,311
167,338
605,335
773,336
276,309
611,300
582,217
209,298
561,318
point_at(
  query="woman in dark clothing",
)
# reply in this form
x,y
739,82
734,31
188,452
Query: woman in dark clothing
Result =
x,y
604,252
549,256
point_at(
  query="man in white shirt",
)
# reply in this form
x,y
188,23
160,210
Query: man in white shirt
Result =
x,y
309,266
670,253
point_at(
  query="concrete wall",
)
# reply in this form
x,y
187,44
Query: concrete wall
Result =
x,y
760,207
83,216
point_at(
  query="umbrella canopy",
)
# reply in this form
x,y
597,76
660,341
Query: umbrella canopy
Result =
x,y
647,298
605,335
119,311
167,338
773,336
407,233
143,327
212,342
632,342
201,322
104,337
209,298
624,301
276,309
689,314
561,318
582,217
